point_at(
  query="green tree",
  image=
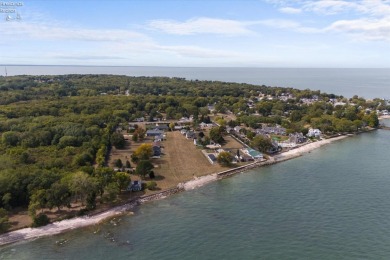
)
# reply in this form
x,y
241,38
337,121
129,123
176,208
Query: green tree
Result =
x,y
58,195
216,134
225,158
40,220
6,199
81,185
4,224
144,167
127,165
144,152
111,191
37,201
118,140
122,179
261,143
172,126
118,163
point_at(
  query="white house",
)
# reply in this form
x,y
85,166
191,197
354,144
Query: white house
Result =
x,y
314,133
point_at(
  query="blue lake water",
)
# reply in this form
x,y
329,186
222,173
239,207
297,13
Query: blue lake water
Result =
x,y
332,203
369,83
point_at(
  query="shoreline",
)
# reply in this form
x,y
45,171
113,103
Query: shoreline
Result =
x,y
79,222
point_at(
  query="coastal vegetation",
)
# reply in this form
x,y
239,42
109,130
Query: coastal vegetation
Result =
x,y
57,131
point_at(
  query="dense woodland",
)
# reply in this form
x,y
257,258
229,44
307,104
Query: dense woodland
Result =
x,y
56,131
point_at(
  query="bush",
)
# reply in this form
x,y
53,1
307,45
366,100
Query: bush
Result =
x,y
40,220
151,185
82,212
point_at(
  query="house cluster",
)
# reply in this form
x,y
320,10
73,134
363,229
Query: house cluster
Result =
x,y
189,134
185,120
293,140
205,126
285,97
268,130
383,112
309,101
248,154
241,155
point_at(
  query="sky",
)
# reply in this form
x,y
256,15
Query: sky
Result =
x,y
197,33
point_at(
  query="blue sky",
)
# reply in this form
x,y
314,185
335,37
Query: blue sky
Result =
x,y
205,33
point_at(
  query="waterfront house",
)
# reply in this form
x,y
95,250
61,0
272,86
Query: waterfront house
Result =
x,y
211,157
297,138
135,186
314,133
255,155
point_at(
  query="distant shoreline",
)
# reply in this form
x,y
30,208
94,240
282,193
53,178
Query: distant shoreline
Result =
x,y
58,227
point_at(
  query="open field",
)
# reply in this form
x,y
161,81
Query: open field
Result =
x,y
181,161
231,143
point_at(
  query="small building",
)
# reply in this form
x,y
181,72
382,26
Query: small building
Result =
x,y
314,133
244,157
135,186
161,127
297,138
237,129
211,157
190,135
156,151
154,132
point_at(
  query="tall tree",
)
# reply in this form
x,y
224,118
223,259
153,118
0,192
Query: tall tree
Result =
x,y
144,167
225,158
144,152
262,143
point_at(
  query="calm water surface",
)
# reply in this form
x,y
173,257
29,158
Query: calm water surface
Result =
x,y
332,203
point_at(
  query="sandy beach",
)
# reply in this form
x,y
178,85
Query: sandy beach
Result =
x,y
65,225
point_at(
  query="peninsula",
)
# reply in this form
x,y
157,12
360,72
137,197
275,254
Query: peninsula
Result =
x,y
75,145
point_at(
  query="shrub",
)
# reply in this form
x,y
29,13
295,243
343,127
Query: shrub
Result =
x,y
40,220
151,185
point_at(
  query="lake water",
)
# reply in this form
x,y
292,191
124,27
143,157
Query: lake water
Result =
x,y
369,83
332,203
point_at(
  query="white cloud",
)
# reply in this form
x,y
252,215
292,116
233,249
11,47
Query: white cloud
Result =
x,y
364,29
373,26
279,23
290,10
43,31
202,25
287,24
330,7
